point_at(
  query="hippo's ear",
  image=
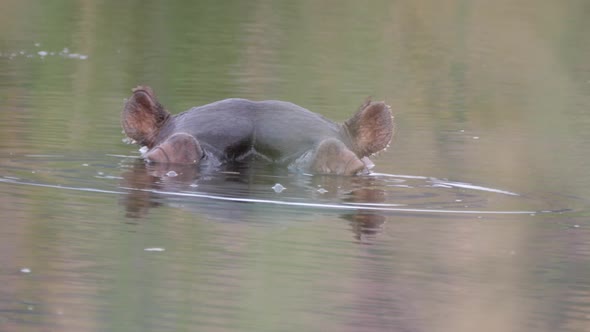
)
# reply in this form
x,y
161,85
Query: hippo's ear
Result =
x,y
143,116
371,128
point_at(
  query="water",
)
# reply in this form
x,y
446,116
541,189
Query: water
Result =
x,y
476,218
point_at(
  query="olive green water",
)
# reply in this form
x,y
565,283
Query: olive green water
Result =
x,y
477,218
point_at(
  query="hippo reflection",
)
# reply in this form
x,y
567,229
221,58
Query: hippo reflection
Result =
x,y
244,193
234,130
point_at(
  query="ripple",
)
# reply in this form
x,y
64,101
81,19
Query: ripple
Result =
x,y
377,192
338,206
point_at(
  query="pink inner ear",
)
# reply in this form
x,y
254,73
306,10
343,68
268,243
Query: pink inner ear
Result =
x,y
143,116
145,88
144,99
372,128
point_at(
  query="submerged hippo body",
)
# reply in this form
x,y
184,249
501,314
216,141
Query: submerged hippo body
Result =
x,y
237,129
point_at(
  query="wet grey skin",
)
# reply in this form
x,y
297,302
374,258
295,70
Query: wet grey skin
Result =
x,y
235,130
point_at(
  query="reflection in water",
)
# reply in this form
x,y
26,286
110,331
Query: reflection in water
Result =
x,y
364,222
147,186
365,201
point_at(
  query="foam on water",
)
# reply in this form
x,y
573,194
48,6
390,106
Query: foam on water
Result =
x,y
43,54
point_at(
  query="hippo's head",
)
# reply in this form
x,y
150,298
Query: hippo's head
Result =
x,y
143,116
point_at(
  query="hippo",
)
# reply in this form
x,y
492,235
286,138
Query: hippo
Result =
x,y
237,130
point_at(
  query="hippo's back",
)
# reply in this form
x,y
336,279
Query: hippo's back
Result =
x,y
285,130
277,130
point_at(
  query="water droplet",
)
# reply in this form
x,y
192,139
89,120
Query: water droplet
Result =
x,y
154,249
322,191
25,270
278,188
42,53
77,56
172,174
143,149
127,140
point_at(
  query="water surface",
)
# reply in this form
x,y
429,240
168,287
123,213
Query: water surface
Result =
x,y
476,217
